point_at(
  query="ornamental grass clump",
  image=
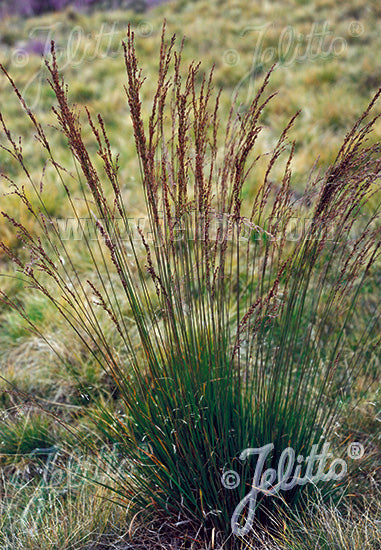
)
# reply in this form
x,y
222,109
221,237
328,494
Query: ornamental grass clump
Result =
x,y
231,329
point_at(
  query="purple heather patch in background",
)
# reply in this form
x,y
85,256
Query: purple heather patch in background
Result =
x,y
36,47
37,7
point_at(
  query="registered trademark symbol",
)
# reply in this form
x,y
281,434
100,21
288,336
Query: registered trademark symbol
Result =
x,y
356,28
356,450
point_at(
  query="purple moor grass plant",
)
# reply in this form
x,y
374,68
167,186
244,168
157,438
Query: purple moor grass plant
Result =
x,y
228,334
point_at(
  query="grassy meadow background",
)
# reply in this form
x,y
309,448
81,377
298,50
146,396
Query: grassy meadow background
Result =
x,y
328,67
